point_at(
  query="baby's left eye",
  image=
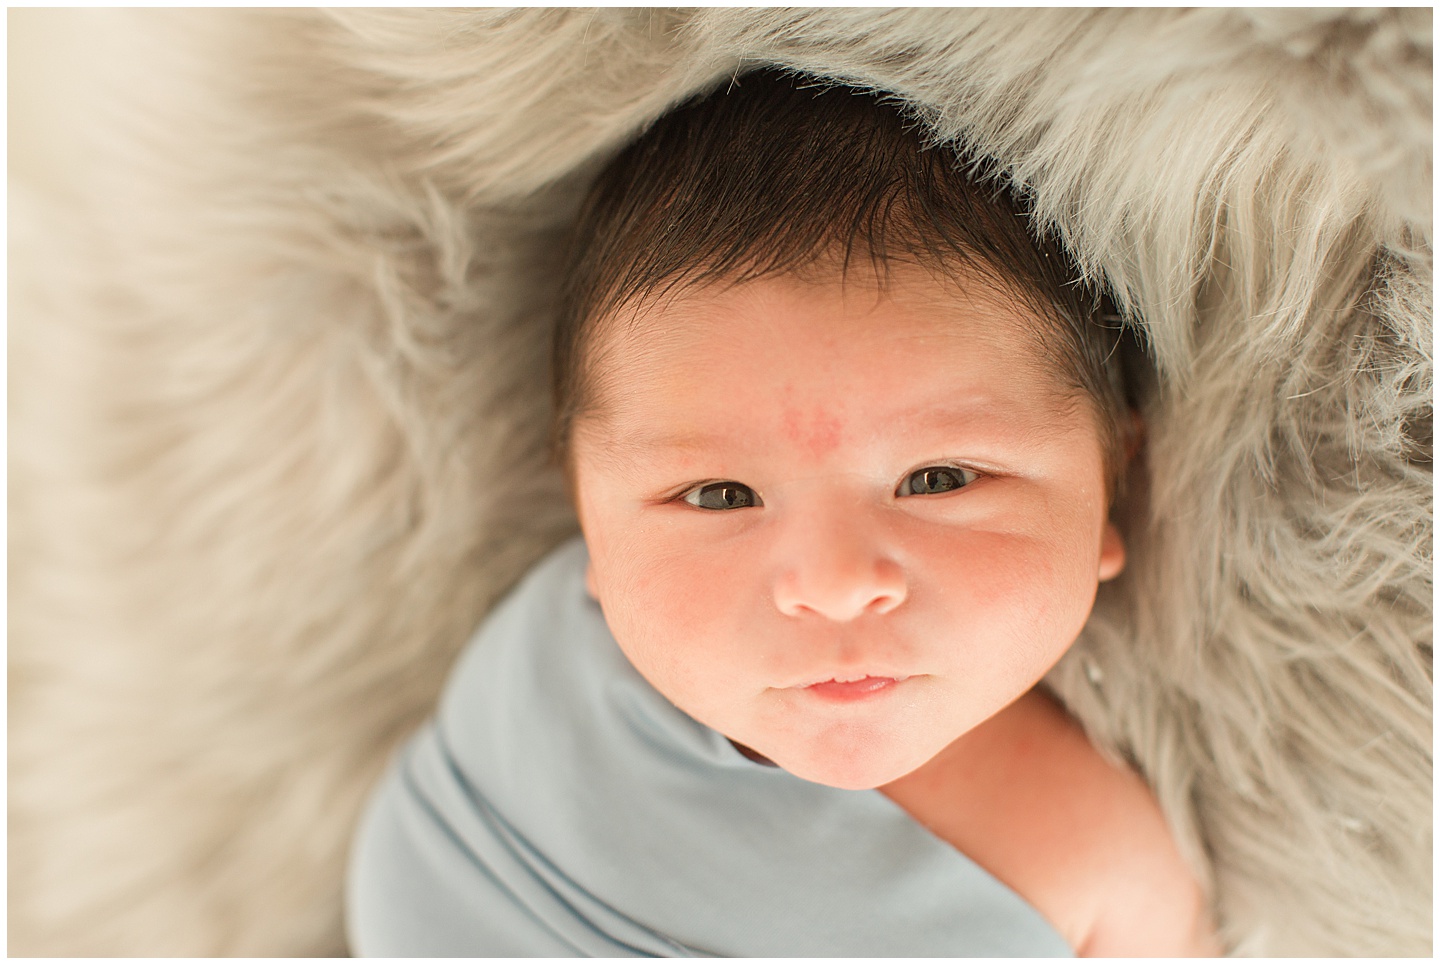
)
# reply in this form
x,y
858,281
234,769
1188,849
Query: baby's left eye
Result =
x,y
935,479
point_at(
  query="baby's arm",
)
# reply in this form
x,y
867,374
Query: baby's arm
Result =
x,y
1152,904
1154,908
1027,797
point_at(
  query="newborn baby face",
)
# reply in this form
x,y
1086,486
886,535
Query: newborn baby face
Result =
x,y
841,526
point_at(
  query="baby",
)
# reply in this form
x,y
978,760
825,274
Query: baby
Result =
x,y
843,438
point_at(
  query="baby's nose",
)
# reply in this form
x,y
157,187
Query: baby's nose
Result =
x,y
839,579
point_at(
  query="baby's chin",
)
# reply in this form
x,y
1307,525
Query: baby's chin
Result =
x,y
849,772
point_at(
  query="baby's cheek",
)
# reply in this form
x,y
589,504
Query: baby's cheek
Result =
x,y
670,617
1016,590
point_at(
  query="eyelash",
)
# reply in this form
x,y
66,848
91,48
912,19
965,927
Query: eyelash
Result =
x,y
966,478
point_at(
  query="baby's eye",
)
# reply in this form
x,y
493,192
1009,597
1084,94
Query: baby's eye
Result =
x,y
934,479
722,495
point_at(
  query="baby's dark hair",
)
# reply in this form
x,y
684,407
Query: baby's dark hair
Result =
x,y
775,174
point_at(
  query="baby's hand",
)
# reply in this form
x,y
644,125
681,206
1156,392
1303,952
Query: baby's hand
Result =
x,y
1028,798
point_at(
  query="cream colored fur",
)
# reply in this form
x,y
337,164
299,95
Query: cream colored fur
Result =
x,y
278,399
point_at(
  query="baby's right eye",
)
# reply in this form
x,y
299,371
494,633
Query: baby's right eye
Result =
x,y
722,495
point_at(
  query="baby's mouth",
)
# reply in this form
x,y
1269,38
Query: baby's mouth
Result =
x,y
849,689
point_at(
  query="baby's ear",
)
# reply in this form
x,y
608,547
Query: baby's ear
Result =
x,y
1112,552
590,581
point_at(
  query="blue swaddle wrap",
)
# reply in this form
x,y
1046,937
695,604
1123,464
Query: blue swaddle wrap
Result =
x,y
559,805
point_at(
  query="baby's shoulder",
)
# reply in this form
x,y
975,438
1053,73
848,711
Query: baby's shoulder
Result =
x,y
1027,797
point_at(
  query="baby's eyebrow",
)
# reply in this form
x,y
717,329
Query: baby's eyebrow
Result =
x,y
975,412
662,441
622,447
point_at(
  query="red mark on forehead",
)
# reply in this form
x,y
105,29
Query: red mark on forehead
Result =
x,y
815,432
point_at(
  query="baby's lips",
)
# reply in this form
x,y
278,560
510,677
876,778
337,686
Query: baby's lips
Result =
x,y
848,691
847,676
856,678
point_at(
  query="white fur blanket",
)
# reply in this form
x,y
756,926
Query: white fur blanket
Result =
x,y
279,316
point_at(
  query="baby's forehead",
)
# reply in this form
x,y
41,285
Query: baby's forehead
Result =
x,y
957,302
739,330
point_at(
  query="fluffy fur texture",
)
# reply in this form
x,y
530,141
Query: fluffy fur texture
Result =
x,y
278,411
